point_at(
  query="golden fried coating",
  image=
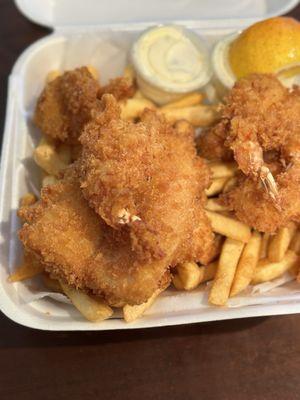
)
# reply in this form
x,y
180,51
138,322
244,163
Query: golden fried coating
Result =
x,y
253,205
121,88
65,105
260,125
210,144
259,114
75,245
147,180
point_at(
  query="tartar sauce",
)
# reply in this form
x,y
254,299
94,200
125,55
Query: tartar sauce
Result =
x,y
170,61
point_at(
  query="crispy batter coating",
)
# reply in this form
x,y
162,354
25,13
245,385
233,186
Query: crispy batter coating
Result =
x,y
252,205
210,143
260,125
121,88
259,114
65,105
75,245
147,180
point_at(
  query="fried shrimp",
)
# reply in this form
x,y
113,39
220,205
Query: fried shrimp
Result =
x,y
260,115
145,178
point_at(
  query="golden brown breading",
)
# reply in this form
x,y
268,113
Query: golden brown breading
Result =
x,y
147,180
74,244
260,124
121,88
65,105
210,143
253,205
258,110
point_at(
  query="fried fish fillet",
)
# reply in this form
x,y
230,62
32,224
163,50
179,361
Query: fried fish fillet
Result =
x,y
145,179
65,105
74,244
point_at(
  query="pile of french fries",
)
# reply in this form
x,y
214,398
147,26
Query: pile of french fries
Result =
x,y
246,257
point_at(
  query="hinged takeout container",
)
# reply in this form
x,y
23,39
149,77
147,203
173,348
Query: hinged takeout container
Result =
x,y
100,33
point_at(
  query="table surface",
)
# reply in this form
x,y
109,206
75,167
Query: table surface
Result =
x,y
256,358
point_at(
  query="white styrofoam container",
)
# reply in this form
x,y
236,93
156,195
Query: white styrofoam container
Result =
x,y
119,22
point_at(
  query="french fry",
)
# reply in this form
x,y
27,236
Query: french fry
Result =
x,y
46,157
229,227
295,243
129,73
226,269
280,242
230,184
27,200
201,115
93,71
216,187
247,264
52,284
214,205
188,100
133,108
139,95
264,245
189,274
208,272
131,313
52,75
28,269
222,170
266,270
177,282
49,180
188,277
92,308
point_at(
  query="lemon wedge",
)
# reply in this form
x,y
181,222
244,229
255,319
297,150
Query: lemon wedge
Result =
x,y
266,47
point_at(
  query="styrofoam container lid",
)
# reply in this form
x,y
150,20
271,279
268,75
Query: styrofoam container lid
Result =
x,y
56,13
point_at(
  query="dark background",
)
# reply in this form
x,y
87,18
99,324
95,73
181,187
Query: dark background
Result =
x,y
256,358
